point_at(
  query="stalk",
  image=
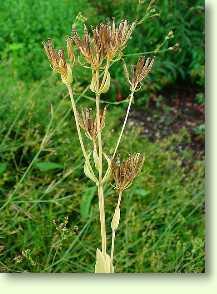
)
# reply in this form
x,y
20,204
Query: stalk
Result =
x,y
100,184
102,217
78,127
124,124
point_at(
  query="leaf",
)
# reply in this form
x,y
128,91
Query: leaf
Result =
x,y
88,173
86,202
3,167
115,219
47,166
141,192
103,263
15,46
96,159
108,172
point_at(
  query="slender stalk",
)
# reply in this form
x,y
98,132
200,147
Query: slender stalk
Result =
x,y
99,136
124,124
78,127
102,217
113,246
100,184
113,231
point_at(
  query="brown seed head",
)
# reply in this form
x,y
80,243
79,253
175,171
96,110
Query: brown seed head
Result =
x,y
69,45
87,48
140,71
125,172
104,42
89,124
120,36
58,61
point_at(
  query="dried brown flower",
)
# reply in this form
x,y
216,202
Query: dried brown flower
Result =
x,y
58,61
125,172
104,42
89,124
140,71
111,38
69,44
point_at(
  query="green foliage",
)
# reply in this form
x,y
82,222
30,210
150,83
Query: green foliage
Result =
x,y
46,166
86,201
26,23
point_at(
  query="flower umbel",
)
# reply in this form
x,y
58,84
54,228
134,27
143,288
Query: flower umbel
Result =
x,y
104,42
58,61
125,172
113,39
89,124
140,71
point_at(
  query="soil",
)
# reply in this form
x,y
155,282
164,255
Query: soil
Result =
x,y
168,112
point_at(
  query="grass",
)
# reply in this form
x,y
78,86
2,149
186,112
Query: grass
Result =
x,y
49,210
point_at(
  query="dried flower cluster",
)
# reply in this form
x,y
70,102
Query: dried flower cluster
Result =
x,y
140,71
58,61
125,172
104,42
89,124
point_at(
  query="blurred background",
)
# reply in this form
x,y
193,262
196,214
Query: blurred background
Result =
x,y
49,210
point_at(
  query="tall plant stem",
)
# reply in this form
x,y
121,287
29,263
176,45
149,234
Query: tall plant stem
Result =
x,y
124,124
102,217
100,183
78,127
113,231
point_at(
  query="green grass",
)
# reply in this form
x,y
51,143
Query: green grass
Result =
x,y
42,183
26,23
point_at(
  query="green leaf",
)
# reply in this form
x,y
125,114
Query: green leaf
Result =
x,y
3,167
46,166
86,202
141,192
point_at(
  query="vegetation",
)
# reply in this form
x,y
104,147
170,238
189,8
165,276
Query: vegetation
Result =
x,y
49,210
